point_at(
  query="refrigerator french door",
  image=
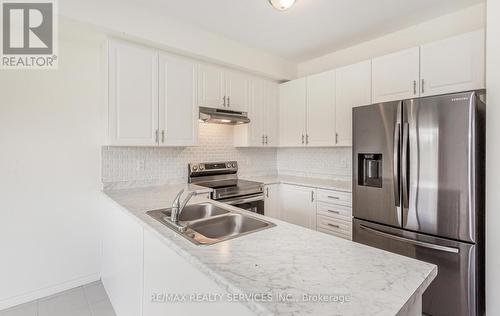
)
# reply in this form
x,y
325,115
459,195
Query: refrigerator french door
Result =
x,y
418,190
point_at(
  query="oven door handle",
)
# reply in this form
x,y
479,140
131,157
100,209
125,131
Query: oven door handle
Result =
x,y
244,200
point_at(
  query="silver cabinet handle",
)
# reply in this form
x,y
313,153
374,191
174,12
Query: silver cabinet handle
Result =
x,y
414,87
332,225
423,82
411,241
333,197
334,212
336,138
302,139
163,136
267,140
263,138
312,196
307,139
228,102
156,136
267,192
224,98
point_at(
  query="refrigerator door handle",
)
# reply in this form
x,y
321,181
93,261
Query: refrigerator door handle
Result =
x,y
411,241
397,140
404,163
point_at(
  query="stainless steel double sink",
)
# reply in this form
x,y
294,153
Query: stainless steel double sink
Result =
x,y
208,224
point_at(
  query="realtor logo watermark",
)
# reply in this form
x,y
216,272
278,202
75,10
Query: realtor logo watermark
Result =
x,y
29,34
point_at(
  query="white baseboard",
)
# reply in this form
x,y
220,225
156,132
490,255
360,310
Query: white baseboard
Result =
x,y
47,291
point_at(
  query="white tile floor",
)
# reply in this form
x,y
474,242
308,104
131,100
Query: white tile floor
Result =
x,y
87,300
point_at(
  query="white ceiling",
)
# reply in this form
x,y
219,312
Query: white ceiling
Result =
x,y
311,28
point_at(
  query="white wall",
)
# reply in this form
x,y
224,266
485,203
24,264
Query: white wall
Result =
x,y
469,19
136,22
50,137
492,154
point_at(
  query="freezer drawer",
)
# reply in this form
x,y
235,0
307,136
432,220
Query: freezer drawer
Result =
x,y
456,289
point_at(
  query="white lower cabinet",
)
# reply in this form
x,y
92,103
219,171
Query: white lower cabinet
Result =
x,y
326,211
165,272
139,270
298,205
272,205
122,261
334,213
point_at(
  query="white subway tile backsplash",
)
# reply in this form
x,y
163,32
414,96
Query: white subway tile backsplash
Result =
x,y
143,166
315,162
153,165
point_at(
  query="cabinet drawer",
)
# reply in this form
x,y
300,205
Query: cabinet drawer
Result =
x,y
335,197
334,225
334,211
341,235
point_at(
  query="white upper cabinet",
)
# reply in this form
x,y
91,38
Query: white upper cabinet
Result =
x,y
271,114
292,111
396,76
353,88
178,110
223,89
321,109
454,64
212,88
133,95
152,97
252,134
236,91
298,205
263,113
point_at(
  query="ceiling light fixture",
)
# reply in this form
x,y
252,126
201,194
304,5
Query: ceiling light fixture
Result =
x,y
282,5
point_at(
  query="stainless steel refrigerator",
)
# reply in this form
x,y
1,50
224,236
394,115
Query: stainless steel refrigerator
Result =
x,y
418,190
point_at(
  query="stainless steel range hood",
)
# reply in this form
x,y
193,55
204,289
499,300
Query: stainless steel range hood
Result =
x,y
220,116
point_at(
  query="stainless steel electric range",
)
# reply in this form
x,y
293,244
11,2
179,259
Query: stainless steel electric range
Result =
x,y
222,177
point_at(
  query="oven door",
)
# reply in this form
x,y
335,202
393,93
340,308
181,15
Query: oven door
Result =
x,y
252,203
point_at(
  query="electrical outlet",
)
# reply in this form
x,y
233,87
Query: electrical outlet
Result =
x,y
141,165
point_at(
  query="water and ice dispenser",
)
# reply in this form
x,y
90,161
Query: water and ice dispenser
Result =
x,y
370,170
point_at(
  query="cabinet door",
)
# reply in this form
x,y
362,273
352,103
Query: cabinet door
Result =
x,y
292,112
353,88
256,113
236,91
272,207
168,273
396,76
271,114
321,109
211,87
453,65
177,94
298,205
122,261
133,95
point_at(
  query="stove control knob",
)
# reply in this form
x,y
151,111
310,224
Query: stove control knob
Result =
x,y
202,167
234,164
228,165
195,167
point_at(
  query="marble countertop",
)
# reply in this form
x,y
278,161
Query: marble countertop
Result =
x,y
327,184
288,259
